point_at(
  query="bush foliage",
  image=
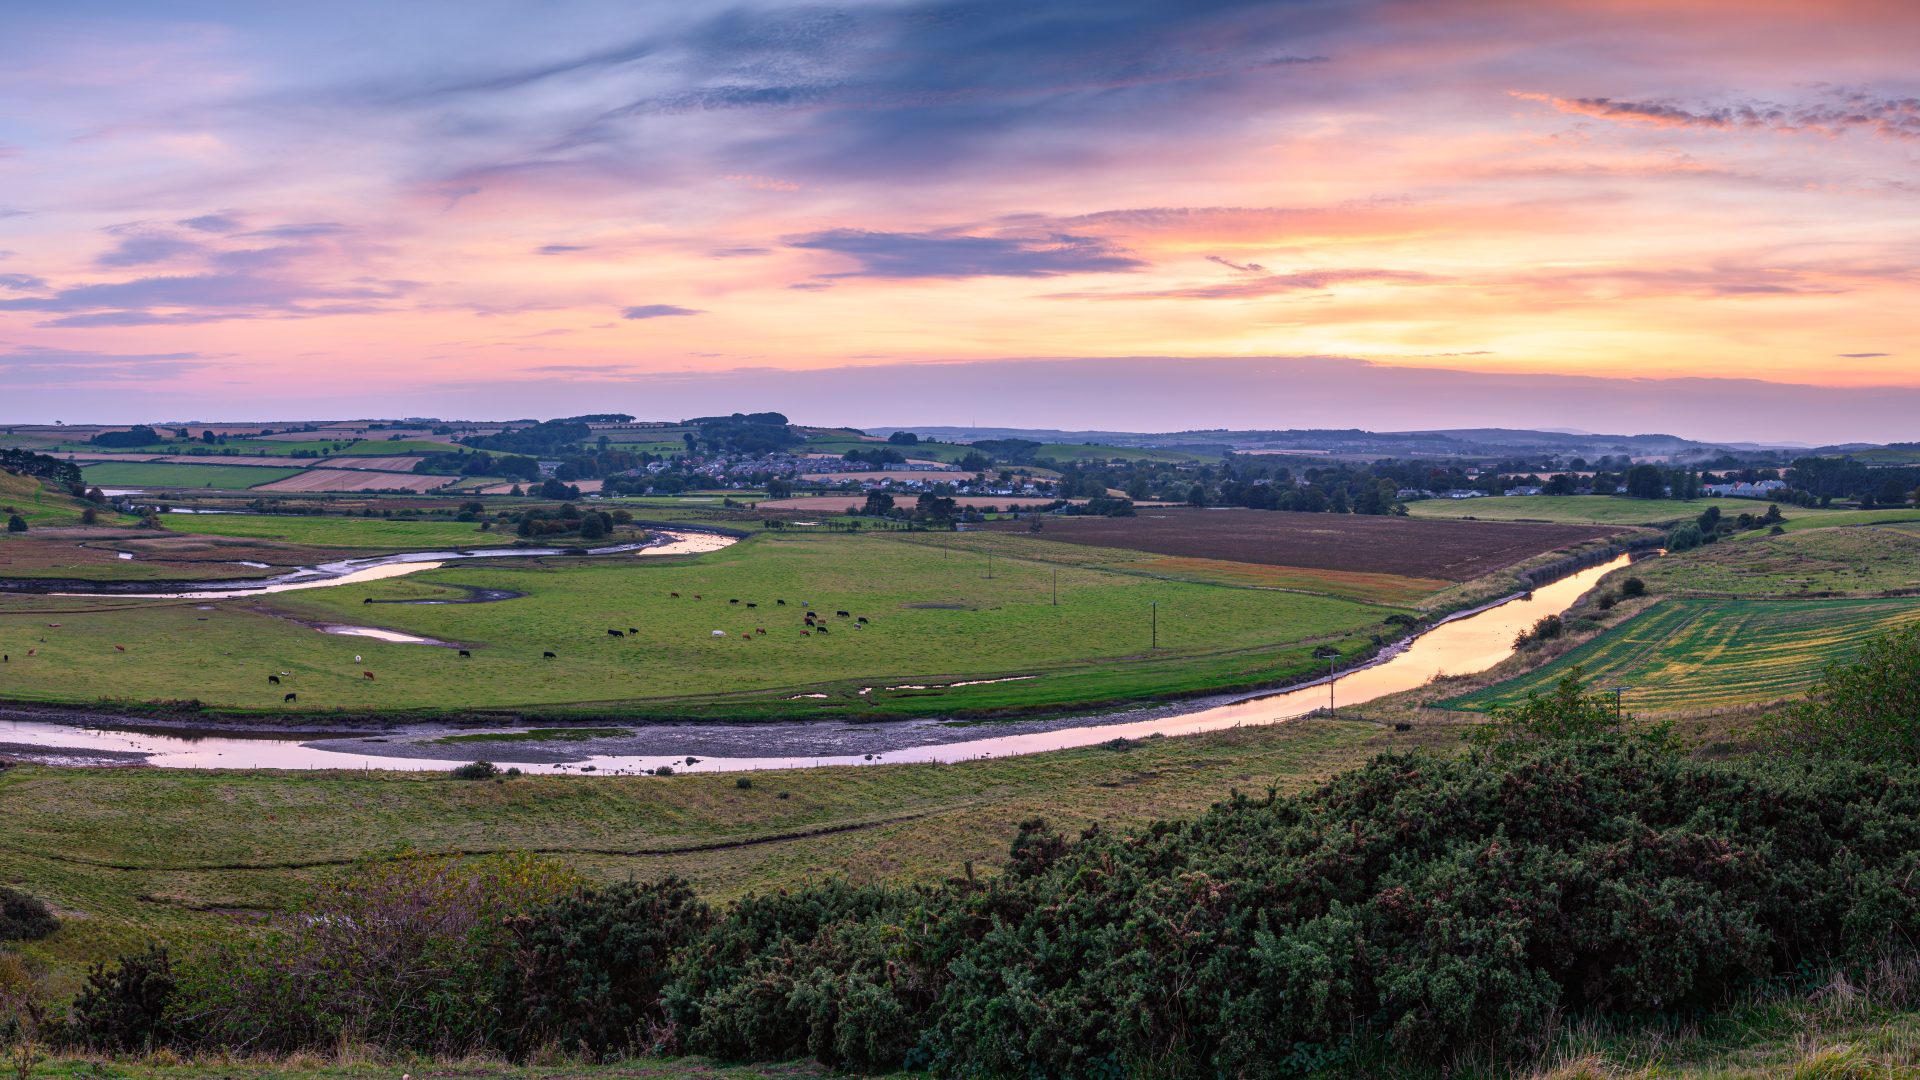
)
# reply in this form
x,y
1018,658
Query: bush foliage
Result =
x,y
24,917
1419,906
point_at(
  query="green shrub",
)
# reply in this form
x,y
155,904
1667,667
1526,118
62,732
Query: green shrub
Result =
x,y
589,967
130,1006
24,917
476,770
1868,707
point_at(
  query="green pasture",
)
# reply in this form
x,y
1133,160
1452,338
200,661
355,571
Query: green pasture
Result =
x,y
38,506
1682,655
1856,561
317,530
934,621
160,474
1799,518
1597,509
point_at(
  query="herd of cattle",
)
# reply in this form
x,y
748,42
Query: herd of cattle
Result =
x,y
812,622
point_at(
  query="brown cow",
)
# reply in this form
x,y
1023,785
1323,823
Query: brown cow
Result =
x,y
119,648
368,674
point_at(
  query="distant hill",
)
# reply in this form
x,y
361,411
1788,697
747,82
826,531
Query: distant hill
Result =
x,y
1447,442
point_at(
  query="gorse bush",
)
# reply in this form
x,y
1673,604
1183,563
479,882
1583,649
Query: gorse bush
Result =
x,y
24,917
129,1006
1418,907
588,968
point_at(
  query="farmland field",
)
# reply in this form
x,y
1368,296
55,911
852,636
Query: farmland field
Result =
x,y
1594,509
356,480
932,617
1682,655
1454,551
158,474
339,531
1858,560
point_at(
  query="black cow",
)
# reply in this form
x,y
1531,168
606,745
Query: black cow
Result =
x,y
466,654
675,595
549,656
274,679
782,603
615,633
820,627
753,605
367,600
291,697
861,619
734,601
633,629
1402,726
844,614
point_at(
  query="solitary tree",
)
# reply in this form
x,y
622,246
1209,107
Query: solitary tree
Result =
x,y
16,523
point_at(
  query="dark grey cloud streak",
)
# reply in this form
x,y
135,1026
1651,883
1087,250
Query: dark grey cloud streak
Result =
x,y
943,255
867,92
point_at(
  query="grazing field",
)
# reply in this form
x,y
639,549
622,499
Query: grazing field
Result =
x,y
932,619
1683,655
1454,551
164,475
192,855
1592,509
356,480
317,530
1859,560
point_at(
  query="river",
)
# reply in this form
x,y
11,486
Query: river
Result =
x,y
1465,644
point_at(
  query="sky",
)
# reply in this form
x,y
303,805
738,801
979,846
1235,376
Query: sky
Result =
x,y
1694,216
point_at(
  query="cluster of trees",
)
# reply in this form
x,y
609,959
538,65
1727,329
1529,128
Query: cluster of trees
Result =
x,y
137,435
1828,478
51,471
569,520
549,438
753,434
879,455
1711,526
478,463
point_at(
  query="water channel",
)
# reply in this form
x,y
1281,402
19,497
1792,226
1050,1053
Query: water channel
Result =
x,y
1467,643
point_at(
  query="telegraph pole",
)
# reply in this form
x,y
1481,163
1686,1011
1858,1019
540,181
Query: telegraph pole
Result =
x,y
1155,605
1056,587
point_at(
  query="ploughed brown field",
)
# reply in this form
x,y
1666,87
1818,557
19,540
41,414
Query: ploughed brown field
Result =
x,y
1412,547
349,480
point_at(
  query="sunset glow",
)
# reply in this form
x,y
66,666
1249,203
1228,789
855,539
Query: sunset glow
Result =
x,y
486,208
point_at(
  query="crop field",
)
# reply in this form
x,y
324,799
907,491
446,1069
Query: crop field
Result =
x,y
932,618
395,463
1683,655
1375,588
1593,509
1453,551
356,480
162,475
1859,560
